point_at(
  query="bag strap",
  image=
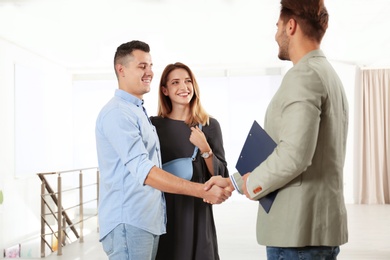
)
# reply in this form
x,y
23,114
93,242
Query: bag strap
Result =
x,y
196,147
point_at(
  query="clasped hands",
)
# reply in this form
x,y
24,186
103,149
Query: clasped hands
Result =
x,y
218,189
223,187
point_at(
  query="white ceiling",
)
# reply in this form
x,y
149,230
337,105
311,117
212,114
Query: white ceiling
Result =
x,y
83,34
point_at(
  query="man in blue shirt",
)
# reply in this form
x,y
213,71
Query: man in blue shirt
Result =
x,y
131,203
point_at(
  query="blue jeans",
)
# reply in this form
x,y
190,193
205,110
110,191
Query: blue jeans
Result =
x,y
126,242
303,253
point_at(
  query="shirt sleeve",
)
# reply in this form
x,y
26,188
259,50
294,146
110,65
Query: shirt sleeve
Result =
x,y
124,134
237,181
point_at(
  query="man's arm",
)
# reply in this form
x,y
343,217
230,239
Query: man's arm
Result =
x,y
166,182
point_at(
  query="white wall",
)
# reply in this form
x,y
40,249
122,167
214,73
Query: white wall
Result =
x,y
40,131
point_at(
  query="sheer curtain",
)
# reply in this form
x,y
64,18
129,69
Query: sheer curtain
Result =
x,y
373,144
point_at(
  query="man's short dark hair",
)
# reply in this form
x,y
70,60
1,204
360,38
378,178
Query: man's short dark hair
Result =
x,y
311,15
126,49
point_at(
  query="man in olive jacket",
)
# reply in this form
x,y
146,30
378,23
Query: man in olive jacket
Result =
x,y
308,119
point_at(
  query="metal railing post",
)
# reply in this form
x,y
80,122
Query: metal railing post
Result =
x,y
42,220
81,206
59,215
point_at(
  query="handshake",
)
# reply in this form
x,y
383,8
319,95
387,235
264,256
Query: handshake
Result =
x,y
217,190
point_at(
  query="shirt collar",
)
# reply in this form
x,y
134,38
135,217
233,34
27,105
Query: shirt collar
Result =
x,y
129,97
311,54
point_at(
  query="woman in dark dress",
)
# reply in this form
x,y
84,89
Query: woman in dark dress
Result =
x,y
191,233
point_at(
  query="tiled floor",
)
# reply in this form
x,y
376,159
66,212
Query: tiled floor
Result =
x,y
369,234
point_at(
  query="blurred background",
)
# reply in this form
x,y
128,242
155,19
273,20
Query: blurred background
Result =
x,y
56,72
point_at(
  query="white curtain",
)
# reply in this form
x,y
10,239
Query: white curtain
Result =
x,y
373,139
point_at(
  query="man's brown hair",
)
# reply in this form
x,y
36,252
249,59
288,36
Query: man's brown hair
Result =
x,y
311,15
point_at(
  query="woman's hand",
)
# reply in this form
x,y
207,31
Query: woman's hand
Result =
x,y
198,138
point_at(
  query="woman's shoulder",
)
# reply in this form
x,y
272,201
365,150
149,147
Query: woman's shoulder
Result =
x,y
213,125
166,122
156,119
213,122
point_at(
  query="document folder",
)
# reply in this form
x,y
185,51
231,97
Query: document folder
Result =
x,y
257,147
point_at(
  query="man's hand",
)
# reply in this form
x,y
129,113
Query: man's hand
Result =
x,y
216,195
218,182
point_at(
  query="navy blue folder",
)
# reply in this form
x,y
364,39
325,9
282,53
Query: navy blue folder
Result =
x,y
257,147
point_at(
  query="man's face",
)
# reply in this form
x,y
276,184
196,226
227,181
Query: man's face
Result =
x,y
282,40
136,74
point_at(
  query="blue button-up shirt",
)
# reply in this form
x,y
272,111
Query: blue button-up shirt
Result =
x,y
127,148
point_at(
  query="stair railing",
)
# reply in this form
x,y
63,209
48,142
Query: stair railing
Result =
x,y
66,226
